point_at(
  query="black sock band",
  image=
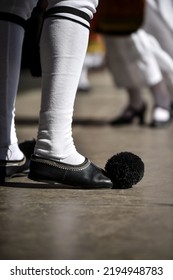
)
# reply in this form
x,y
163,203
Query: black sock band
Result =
x,y
54,12
13,18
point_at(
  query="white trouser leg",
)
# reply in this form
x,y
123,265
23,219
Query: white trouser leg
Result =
x,y
22,8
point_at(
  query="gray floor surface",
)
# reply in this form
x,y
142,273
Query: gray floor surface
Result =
x,y
39,221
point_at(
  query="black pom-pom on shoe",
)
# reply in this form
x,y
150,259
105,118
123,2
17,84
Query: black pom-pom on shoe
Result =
x,y
125,170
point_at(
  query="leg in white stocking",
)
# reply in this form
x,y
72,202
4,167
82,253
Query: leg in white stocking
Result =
x,y
11,45
66,39
12,18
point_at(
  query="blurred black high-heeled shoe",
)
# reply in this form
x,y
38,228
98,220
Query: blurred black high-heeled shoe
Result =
x,y
129,115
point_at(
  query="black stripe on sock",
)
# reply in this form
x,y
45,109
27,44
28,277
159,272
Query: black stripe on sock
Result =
x,y
13,18
68,10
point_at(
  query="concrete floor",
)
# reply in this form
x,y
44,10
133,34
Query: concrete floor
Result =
x,y
38,221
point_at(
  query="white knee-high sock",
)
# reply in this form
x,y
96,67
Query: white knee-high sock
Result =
x,y
63,48
11,39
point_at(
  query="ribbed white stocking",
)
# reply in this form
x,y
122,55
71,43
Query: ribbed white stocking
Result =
x,y
63,48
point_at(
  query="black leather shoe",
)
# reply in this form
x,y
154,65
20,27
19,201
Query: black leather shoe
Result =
x,y
85,175
129,115
9,168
